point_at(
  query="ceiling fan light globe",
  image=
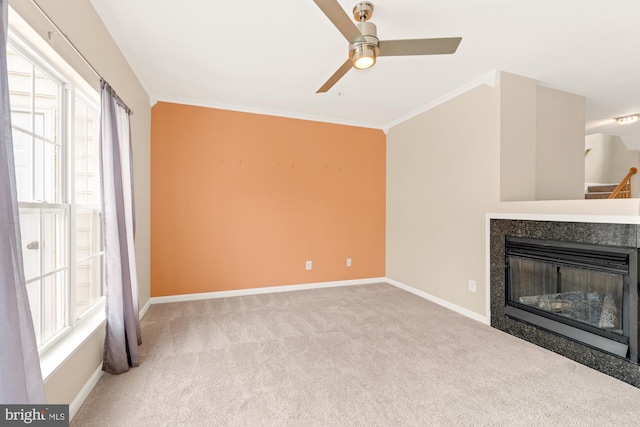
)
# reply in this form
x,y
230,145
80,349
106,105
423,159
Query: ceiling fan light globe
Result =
x,y
363,57
364,63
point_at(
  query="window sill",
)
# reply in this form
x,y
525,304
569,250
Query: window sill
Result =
x,y
54,357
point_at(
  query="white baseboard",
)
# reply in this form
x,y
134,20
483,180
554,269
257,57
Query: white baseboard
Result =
x,y
144,309
257,291
75,405
453,307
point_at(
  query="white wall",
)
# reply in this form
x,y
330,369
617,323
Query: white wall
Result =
x,y
560,122
442,177
517,137
621,159
597,163
79,21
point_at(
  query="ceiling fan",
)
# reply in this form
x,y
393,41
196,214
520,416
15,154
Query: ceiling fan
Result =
x,y
364,46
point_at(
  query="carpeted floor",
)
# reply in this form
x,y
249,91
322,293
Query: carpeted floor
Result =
x,y
366,355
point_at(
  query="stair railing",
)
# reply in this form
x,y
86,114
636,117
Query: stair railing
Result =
x,y
623,190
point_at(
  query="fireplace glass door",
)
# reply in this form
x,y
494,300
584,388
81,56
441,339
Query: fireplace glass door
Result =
x,y
585,292
590,297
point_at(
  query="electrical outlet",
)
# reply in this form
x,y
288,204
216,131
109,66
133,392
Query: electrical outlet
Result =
x,y
348,262
472,285
308,265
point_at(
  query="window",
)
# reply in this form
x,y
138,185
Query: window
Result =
x,y
55,126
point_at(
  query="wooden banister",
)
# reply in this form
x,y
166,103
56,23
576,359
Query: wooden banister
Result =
x,y
623,190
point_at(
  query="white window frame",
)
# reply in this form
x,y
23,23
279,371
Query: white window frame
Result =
x,y
62,345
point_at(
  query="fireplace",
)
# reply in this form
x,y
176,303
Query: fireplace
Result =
x,y
580,291
570,287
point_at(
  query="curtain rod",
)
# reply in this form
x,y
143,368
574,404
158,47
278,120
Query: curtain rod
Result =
x,y
69,42
73,46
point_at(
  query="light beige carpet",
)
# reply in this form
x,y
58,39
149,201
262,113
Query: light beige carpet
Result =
x,y
367,355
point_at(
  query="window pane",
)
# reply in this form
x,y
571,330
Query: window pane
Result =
x,y
20,119
34,293
89,254
89,275
20,73
31,245
38,170
51,172
46,106
54,304
87,185
23,156
88,233
53,246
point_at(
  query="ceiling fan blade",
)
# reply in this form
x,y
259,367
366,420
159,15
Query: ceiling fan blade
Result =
x,y
419,46
339,18
336,76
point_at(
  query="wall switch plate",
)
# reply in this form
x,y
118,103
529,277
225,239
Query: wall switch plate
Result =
x,y
472,285
308,265
348,262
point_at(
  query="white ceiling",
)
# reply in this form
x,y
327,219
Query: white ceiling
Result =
x,y
271,56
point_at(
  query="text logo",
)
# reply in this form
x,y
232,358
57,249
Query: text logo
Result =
x,y
34,415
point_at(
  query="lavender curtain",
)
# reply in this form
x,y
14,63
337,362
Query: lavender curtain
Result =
x,y
20,375
123,325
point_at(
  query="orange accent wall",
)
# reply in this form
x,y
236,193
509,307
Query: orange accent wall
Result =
x,y
242,200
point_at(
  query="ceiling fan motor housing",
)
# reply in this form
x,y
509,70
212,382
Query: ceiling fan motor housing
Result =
x,y
368,47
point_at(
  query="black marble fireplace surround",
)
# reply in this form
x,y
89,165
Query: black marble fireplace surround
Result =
x,y
626,235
